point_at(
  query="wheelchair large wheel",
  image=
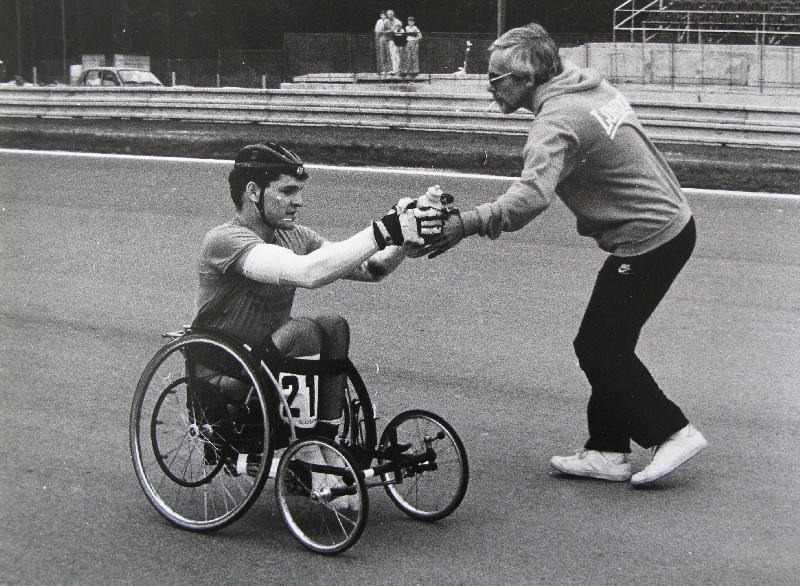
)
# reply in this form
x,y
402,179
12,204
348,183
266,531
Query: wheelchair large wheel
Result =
x,y
200,429
434,488
358,432
322,495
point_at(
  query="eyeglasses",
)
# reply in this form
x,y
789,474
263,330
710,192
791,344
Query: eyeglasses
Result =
x,y
493,80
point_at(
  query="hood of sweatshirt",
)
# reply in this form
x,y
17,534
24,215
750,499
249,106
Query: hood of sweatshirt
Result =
x,y
573,79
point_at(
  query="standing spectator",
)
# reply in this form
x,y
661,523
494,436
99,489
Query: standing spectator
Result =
x,y
389,27
398,48
381,46
587,147
413,36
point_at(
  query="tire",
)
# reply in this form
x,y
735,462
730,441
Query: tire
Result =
x,y
431,490
200,431
358,432
322,495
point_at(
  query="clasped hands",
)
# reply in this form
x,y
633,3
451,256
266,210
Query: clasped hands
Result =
x,y
428,225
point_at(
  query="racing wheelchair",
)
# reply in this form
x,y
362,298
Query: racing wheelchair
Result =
x,y
213,419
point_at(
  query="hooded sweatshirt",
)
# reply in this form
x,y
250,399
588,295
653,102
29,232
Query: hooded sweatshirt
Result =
x,y
587,147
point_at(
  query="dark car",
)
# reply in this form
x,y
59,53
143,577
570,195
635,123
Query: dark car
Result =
x,y
117,77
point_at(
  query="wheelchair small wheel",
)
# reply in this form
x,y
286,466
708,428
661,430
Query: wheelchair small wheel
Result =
x,y
433,489
200,429
322,495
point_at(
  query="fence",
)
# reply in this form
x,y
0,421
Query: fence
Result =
x,y
760,66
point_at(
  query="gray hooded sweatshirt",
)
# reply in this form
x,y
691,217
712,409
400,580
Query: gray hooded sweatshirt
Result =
x,y
587,147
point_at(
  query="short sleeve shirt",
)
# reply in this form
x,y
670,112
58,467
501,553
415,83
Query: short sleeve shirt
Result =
x,y
229,301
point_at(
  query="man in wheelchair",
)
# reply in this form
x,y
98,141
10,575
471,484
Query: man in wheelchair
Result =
x,y
252,265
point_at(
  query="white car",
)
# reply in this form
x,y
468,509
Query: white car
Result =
x,y
117,77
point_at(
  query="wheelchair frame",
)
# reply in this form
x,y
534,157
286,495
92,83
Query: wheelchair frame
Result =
x,y
206,422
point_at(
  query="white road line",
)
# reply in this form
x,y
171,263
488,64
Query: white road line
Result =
x,y
385,170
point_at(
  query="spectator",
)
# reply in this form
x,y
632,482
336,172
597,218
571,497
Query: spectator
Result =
x,y
390,27
381,46
413,36
398,48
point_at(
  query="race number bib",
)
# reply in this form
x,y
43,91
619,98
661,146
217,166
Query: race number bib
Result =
x,y
302,396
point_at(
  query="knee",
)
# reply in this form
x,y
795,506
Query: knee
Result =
x,y
591,350
336,331
335,327
342,329
601,352
303,337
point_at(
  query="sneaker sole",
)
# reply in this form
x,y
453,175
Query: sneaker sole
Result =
x,y
597,476
699,448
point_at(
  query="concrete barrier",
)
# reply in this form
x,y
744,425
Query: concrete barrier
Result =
x,y
682,121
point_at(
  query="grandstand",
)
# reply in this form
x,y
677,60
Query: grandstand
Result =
x,y
762,22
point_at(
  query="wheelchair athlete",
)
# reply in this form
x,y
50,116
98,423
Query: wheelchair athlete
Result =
x,y
251,266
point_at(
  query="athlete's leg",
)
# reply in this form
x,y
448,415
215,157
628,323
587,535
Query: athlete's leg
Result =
x,y
328,336
335,343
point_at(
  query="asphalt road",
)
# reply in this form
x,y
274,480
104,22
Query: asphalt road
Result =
x,y
98,258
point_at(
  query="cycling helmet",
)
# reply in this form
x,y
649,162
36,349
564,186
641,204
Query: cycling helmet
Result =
x,y
267,160
262,163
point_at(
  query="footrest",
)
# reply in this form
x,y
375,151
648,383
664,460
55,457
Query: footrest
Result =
x,y
394,450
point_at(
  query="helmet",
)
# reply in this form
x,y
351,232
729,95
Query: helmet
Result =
x,y
267,160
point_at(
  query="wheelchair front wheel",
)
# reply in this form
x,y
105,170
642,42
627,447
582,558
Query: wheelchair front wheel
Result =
x,y
201,445
431,489
322,495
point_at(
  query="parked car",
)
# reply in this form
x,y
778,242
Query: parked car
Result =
x,y
117,77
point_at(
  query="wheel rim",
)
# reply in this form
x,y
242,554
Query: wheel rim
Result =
x,y
185,460
358,431
309,500
179,443
427,494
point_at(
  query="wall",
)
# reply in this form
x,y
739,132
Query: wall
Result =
x,y
695,64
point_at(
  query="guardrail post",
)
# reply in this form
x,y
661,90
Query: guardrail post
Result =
x,y
173,78
672,65
35,75
263,82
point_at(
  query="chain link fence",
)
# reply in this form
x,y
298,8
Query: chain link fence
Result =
x,y
754,65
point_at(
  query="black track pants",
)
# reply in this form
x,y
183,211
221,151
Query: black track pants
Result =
x,y
626,403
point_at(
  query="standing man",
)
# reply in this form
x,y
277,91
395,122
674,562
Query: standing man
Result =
x,y
392,55
381,55
587,147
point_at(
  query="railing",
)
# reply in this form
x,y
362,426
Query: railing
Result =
x,y
666,121
709,21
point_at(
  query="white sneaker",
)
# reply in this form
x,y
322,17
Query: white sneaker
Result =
x,y
323,483
678,448
612,466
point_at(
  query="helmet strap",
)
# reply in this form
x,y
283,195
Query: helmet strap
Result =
x,y
260,205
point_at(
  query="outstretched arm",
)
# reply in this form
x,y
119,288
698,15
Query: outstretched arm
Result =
x,y
269,263
352,258
379,265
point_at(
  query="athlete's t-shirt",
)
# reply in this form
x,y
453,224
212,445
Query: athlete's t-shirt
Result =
x,y
229,301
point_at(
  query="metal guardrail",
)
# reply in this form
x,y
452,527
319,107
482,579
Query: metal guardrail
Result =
x,y
699,123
